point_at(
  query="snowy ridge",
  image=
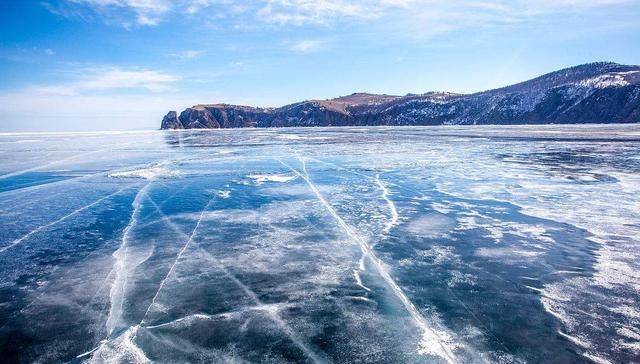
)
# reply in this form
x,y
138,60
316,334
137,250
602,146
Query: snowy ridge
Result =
x,y
602,92
604,81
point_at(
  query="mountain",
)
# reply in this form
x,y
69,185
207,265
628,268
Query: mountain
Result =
x,y
601,92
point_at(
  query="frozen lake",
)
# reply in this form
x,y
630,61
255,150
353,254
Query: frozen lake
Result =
x,y
332,245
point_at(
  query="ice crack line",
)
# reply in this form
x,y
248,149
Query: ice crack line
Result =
x,y
74,212
132,331
291,334
175,262
431,337
356,273
122,271
164,218
49,164
66,159
120,282
251,294
118,288
228,314
295,338
393,220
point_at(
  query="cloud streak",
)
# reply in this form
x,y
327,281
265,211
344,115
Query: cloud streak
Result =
x,y
145,12
188,54
110,78
307,46
437,14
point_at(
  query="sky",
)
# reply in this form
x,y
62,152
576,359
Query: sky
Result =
x,y
122,64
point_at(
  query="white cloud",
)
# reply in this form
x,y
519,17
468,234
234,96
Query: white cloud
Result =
x,y
441,13
192,7
146,12
423,19
307,46
434,15
299,12
26,111
110,78
49,52
188,54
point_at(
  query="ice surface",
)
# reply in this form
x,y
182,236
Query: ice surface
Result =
x,y
161,170
324,245
262,178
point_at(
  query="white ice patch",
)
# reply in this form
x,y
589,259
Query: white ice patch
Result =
x,y
224,194
458,278
439,254
262,178
393,211
431,225
508,252
441,208
156,171
268,214
496,228
630,333
433,343
290,136
122,349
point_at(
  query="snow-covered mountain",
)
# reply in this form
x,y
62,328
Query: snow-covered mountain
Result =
x,y
591,93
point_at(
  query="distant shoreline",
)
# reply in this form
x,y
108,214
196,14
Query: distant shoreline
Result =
x,y
465,127
602,92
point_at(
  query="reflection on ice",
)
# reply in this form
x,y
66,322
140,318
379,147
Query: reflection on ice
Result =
x,y
412,245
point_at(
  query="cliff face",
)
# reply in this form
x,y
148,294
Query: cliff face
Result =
x,y
591,93
170,121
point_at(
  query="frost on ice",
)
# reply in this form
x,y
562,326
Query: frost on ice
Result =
x,y
415,245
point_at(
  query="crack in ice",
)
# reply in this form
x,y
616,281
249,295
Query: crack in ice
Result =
x,y
132,331
46,226
259,305
433,342
37,168
120,281
393,220
293,336
106,279
228,314
116,294
178,256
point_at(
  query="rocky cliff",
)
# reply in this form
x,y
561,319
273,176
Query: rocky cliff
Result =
x,y
591,93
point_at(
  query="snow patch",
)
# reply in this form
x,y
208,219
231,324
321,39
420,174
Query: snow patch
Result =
x,y
224,194
604,81
431,225
262,178
160,170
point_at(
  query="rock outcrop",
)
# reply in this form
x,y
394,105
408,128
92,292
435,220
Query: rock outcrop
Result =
x,y
171,121
591,93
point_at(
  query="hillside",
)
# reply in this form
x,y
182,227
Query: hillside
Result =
x,y
602,92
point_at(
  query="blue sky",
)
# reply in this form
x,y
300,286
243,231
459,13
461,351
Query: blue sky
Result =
x,y
121,64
